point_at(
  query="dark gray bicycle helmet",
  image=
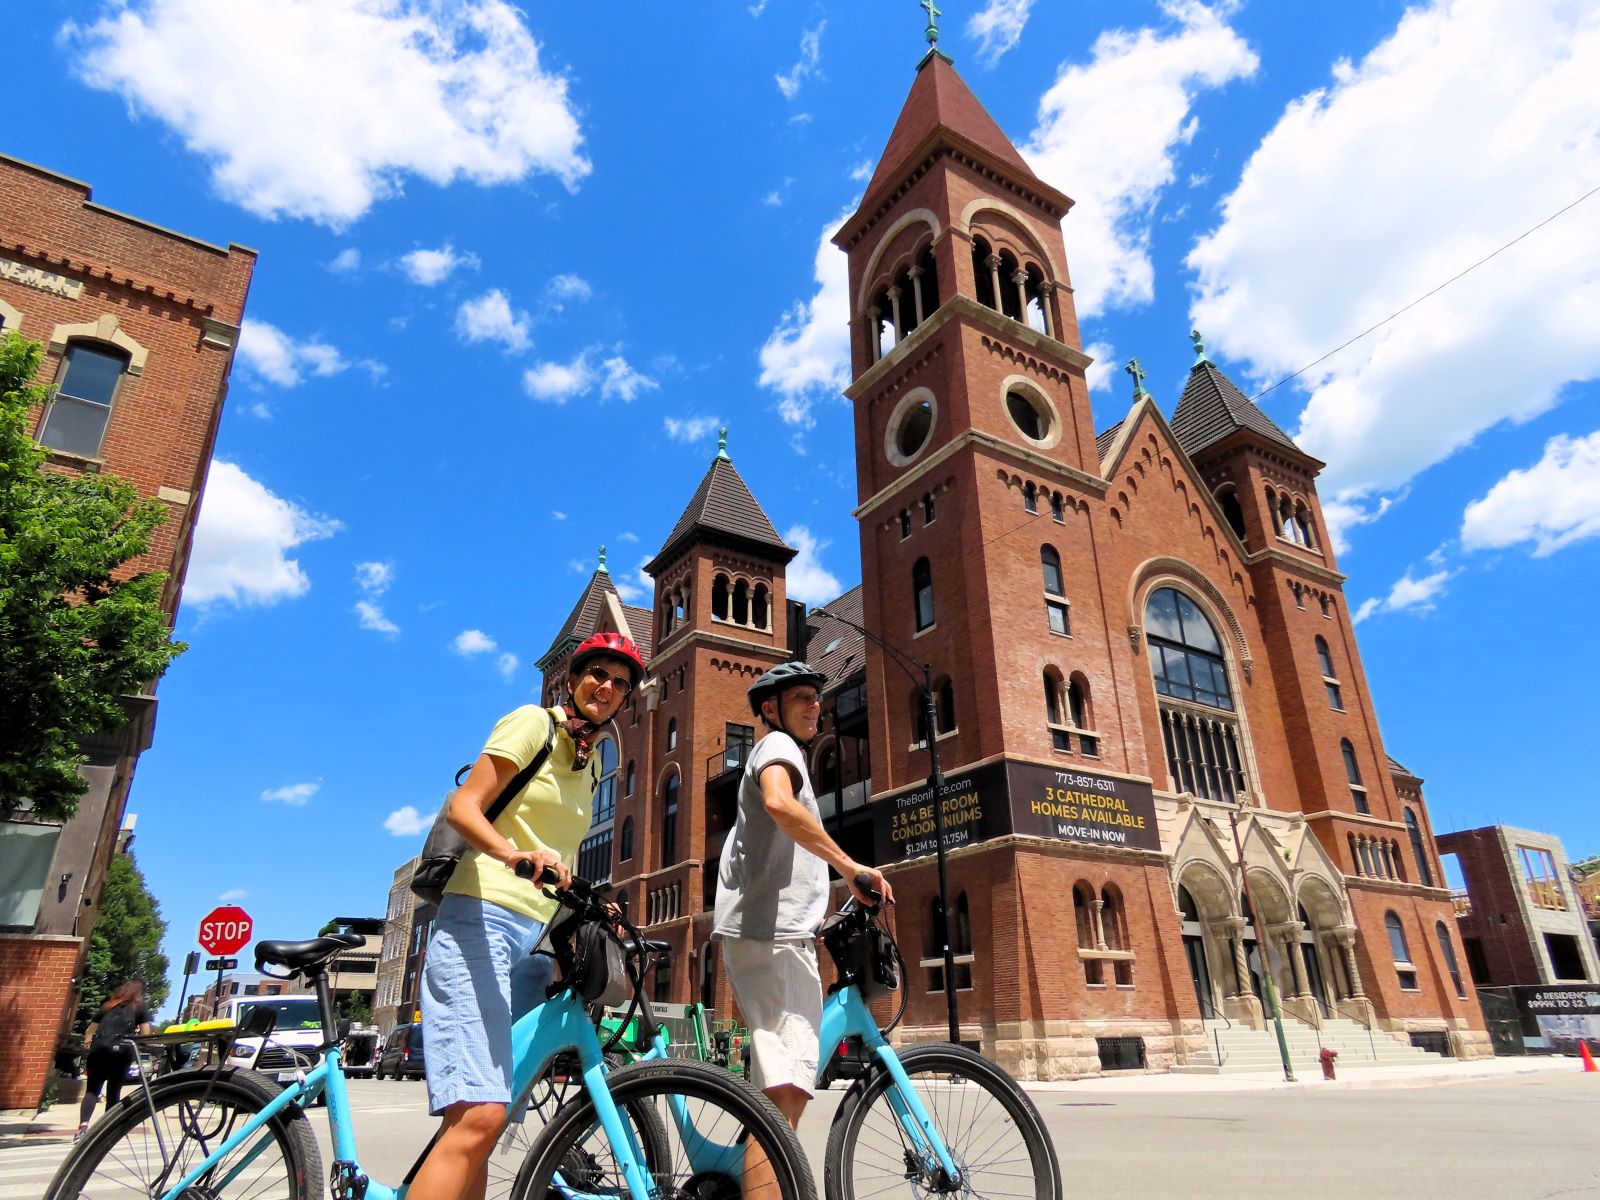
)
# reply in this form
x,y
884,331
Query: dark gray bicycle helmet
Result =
x,y
780,679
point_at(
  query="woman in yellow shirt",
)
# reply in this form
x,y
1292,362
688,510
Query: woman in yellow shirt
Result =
x,y
479,975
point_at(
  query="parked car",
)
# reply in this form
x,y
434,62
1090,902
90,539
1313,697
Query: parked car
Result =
x,y
359,1052
402,1054
290,1048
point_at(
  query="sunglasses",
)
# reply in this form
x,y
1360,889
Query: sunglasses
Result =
x,y
601,677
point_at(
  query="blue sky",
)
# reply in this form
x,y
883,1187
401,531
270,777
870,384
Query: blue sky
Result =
x,y
517,264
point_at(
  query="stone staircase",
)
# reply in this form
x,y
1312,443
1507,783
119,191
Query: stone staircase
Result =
x,y
1246,1049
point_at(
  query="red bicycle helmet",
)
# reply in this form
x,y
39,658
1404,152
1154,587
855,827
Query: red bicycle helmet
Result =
x,y
609,645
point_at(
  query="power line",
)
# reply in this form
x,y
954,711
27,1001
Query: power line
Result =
x,y
1426,295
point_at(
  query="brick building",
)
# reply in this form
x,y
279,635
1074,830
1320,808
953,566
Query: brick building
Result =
x,y
140,324
1522,915
208,1003
392,953
1139,637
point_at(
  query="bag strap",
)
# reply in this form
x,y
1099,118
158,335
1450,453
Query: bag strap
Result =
x,y
523,776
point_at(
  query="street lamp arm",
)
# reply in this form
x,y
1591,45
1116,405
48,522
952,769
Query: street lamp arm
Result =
x,y
899,657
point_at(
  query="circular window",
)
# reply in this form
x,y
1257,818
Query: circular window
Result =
x,y
910,426
1028,415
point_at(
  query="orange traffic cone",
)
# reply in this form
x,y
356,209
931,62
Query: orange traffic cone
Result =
x,y
1588,1059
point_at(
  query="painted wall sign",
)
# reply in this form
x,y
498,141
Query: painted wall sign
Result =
x,y
44,281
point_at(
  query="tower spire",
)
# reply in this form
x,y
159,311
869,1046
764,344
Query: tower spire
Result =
x,y
932,31
603,561
1199,347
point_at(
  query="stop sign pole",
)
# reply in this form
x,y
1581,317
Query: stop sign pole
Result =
x,y
224,930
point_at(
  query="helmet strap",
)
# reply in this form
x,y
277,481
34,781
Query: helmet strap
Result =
x,y
580,729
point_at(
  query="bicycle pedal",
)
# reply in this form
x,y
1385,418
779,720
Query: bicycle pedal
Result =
x,y
347,1181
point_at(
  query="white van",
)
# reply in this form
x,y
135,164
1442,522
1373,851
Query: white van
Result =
x,y
292,1045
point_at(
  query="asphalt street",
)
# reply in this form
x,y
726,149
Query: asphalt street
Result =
x,y
1520,1138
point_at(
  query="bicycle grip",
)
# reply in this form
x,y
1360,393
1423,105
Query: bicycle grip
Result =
x,y
524,870
864,882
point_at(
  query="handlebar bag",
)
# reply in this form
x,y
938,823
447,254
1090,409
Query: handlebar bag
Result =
x,y
599,967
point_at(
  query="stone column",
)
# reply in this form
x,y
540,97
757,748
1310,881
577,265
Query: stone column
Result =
x,y
1232,928
1098,907
993,263
894,305
1019,277
916,292
1345,935
1297,964
875,332
1047,290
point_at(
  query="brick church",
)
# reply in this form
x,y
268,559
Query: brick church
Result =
x,y
1146,677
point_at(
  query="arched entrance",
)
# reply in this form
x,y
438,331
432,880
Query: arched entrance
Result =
x,y
1194,949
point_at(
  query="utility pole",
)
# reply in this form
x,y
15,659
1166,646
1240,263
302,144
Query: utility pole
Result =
x,y
1264,944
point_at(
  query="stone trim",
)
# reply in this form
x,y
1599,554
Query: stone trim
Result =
x,y
10,317
106,328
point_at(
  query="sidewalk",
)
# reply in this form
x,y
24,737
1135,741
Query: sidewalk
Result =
x,y
1408,1076
57,1124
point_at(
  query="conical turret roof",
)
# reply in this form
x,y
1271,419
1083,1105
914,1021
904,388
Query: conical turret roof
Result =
x,y
939,97
585,615
1212,407
724,508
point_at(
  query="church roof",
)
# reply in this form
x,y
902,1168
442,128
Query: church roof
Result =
x,y
833,647
1104,441
585,615
642,628
722,504
939,97
1212,407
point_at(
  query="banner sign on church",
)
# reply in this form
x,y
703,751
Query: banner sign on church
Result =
x,y
1006,797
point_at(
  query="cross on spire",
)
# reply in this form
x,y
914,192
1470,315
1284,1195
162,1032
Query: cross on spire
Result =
x,y
722,444
603,561
934,13
1199,347
1133,368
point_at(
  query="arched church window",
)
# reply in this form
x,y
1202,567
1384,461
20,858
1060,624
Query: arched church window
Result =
x,y
1330,681
719,598
1448,949
1419,848
983,272
1401,952
944,705
922,593
1184,651
1030,498
760,603
1081,710
1055,591
741,603
1010,288
1232,511
1038,315
1352,771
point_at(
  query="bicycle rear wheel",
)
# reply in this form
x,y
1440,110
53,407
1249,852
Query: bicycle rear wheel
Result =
x,y
708,1120
144,1150
991,1129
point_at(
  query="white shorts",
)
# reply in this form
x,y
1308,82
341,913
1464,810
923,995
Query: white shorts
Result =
x,y
779,991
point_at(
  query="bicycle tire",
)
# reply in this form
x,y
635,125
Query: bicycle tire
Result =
x,y
721,1109
515,1143
867,1153
122,1153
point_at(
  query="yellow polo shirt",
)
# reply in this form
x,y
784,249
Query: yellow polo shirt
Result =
x,y
551,813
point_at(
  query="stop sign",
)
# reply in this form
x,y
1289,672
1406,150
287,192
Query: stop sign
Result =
x,y
225,929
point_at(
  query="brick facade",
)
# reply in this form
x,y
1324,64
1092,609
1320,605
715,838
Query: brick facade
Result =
x,y
74,273
35,983
1068,939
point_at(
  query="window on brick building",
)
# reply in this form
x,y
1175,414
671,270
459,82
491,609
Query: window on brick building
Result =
x,y
605,794
1447,948
1030,498
1419,849
1058,508
927,508
1080,708
1330,681
625,842
922,593
1201,736
1352,771
669,821
1403,966
629,778
960,945
75,420
1028,414
1276,511
919,718
672,735
905,524
1084,919
1055,591
26,851
594,857
719,598
1114,929
1232,511
1055,711
1539,874
944,706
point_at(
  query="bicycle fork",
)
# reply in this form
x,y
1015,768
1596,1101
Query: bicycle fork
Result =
x,y
932,1157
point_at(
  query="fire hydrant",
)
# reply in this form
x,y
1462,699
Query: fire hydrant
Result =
x,y
1326,1059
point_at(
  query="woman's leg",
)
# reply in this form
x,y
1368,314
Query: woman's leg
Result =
x,y
121,1060
94,1080
456,1168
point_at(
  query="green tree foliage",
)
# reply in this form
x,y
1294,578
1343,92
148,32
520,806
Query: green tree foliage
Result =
x,y
126,941
353,1007
74,638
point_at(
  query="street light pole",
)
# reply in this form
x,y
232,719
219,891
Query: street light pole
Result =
x,y
935,783
1264,943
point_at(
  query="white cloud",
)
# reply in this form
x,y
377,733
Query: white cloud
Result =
x,y
489,318
295,794
636,587
806,67
691,429
772,200
1408,594
1343,515
474,641
320,108
1552,504
374,578
273,356
431,267
373,618
558,514
1472,122
1102,370
998,27
1108,133
243,541
556,383
808,354
627,537
806,579
233,894
862,171
507,665
407,822
346,262
563,288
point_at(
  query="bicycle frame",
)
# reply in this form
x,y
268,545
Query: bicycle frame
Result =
x,y
845,1014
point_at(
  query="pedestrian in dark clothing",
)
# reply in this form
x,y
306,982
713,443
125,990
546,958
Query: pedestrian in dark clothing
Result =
x,y
110,1054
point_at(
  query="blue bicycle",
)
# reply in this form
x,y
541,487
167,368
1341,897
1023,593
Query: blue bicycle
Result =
x,y
670,1129
935,1119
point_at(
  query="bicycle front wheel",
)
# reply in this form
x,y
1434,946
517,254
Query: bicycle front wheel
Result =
x,y
708,1121
990,1128
143,1150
